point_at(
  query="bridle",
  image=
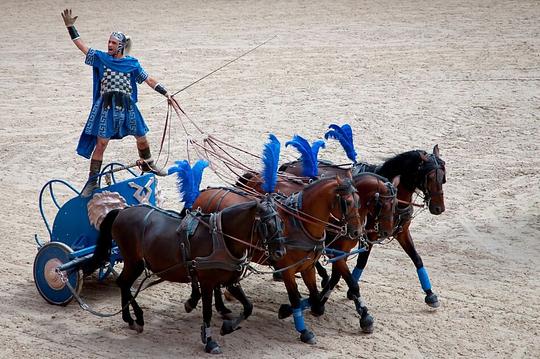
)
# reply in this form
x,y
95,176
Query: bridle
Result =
x,y
379,204
293,207
425,169
348,189
270,228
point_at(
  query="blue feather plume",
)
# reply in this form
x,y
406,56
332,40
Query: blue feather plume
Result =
x,y
345,137
270,163
308,154
188,180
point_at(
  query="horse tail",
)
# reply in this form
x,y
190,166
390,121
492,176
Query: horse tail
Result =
x,y
103,245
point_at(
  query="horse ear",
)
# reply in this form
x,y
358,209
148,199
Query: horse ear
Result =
x,y
396,181
436,150
423,156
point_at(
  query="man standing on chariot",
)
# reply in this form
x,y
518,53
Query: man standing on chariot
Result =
x,y
114,113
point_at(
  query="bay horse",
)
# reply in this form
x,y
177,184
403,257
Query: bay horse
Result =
x,y
306,215
206,250
377,205
419,170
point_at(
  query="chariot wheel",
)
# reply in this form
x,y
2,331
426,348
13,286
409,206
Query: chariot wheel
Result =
x,y
50,284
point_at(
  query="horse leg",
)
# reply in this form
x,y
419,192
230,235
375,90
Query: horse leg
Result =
x,y
361,263
323,273
366,320
405,240
126,279
317,306
231,325
329,287
220,305
306,335
193,300
210,346
286,310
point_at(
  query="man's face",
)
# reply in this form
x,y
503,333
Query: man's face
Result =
x,y
112,46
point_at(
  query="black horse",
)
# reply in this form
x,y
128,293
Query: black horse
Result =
x,y
205,250
418,170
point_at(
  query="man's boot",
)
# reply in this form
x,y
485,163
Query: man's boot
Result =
x,y
147,163
92,183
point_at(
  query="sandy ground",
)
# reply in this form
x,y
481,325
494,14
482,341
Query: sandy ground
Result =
x,y
406,75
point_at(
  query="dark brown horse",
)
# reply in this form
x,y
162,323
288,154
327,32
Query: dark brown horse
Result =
x,y
209,250
306,216
377,204
419,170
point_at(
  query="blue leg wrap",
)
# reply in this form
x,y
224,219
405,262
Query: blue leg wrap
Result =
x,y
298,316
424,278
357,273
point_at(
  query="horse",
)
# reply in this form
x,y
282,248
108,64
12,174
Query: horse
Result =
x,y
418,170
207,250
377,204
306,215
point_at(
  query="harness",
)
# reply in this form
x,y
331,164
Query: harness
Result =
x,y
221,257
305,243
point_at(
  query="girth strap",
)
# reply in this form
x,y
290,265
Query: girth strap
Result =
x,y
221,257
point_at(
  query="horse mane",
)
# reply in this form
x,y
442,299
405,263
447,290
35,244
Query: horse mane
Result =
x,y
406,164
371,174
240,207
234,190
345,186
243,180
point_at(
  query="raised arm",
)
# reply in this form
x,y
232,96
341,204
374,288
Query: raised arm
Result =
x,y
69,20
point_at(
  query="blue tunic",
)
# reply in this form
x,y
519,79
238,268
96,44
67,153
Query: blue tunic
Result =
x,y
114,111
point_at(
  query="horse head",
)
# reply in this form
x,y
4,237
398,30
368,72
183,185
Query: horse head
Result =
x,y
378,202
432,176
270,228
346,212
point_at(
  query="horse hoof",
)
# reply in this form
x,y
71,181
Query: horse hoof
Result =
x,y
212,347
277,276
285,311
432,300
317,311
188,307
308,337
366,323
228,327
136,327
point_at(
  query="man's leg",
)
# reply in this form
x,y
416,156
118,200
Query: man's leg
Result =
x,y
95,166
144,153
